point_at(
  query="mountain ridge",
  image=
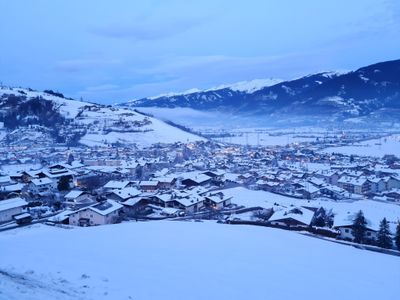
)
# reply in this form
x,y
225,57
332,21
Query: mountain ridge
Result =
x,y
371,92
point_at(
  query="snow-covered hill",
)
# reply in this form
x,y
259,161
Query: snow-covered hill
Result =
x,y
187,260
92,124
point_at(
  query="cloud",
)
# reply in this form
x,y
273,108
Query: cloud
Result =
x,y
76,65
145,30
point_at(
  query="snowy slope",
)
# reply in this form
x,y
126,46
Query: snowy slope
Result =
x,y
248,86
106,124
190,260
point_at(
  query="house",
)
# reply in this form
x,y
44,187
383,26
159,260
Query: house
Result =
x,y
217,200
309,191
333,192
10,208
124,194
42,185
246,178
292,218
267,185
190,204
115,184
78,198
378,185
393,183
58,171
344,223
106,212
136,205
355,185
165,183
200,179
149,186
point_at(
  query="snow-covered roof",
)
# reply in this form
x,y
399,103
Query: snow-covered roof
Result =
x,y
42,181
343,219
299,214
12,187
200,178
61,216
115,184
127,192
149,183
352,180
5,179
105,208
12,203
21,216
73,194
189,201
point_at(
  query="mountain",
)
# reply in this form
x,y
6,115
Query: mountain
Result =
x,y
368,94
48,117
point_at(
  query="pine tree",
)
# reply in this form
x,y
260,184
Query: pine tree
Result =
x,y
359,228
397,237
63,184
384,238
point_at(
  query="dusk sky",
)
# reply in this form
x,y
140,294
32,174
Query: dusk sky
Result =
x,y
113,51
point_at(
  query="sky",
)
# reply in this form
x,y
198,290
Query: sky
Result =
x,y
115,51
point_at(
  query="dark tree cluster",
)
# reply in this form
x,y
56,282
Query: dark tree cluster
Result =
x,y
35,111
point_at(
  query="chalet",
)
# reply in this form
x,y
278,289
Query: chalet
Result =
x,y
295,217
102,213
10,208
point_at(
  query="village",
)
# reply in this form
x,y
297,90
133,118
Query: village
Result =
x,y
293,187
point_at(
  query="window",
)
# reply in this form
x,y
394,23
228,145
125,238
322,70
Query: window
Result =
x,y
368,233
347,230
